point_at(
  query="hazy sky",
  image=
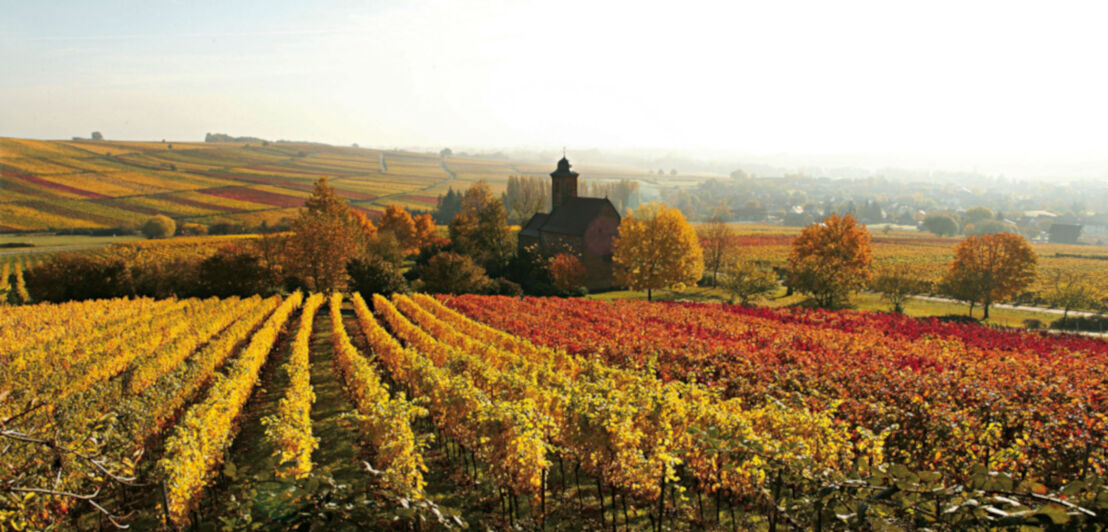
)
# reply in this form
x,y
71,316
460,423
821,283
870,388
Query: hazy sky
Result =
x,y
965,80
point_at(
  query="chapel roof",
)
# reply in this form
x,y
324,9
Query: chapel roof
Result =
x,y
571,217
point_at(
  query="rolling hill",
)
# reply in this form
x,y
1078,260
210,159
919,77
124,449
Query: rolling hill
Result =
x,y
50,185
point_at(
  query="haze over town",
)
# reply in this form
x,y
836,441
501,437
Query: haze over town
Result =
x,y
997,88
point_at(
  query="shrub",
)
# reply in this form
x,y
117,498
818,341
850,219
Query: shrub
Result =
x,y
747,281
504,287
192,229
451,273
375,276
568,272
160,226
69,277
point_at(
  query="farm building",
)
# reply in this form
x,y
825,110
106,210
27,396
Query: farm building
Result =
x,y
1064,233
580,226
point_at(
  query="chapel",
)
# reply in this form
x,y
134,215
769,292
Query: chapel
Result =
x,y
584,227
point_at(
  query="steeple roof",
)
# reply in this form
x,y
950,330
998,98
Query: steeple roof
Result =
x,y
563,169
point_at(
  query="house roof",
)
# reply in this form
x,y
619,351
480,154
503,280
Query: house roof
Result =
x,y
534,224
573,216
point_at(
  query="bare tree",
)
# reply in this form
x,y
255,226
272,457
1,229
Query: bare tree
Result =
x,y
717,239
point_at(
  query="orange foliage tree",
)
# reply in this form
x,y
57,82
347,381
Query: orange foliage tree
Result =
x,y
831,260
424,230
400,223
991,268
568,272
326,234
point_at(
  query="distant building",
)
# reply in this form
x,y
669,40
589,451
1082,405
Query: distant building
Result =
x,y
583,227
1064,233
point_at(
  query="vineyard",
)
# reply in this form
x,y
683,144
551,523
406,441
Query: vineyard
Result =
x,y
55,185
412,412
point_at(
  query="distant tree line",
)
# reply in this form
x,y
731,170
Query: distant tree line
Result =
x,y
223,137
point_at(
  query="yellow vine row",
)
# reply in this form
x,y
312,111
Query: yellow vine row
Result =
x,y
149,411
170,356
198,442
290,429
20,289
503,434
385,422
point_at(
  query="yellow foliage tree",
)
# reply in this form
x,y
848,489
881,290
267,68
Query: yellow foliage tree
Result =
x,y
657,248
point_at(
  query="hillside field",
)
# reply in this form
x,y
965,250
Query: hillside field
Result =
x,y
421,412
58,185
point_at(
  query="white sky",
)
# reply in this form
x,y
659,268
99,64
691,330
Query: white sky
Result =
x,y
936,80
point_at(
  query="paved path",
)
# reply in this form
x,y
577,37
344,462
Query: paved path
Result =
x,y
1045,310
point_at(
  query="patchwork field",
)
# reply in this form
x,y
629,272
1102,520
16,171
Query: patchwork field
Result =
x,y
56,185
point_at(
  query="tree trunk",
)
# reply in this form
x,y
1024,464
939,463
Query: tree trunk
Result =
x,y
986,305
649,294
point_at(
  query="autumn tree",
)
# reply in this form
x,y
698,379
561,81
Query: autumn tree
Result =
x,y
326,234
748,281
399,222
831,260
717,239
425,229
568,273
990,268
480,230
897,283
657,248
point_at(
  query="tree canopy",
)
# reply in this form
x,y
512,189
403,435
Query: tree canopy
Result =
x,y
897,283
831,260
941,224
990,268
748,281
326,234
657,248
481,230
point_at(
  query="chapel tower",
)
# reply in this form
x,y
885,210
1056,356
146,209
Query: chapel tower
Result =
x,y
563,185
